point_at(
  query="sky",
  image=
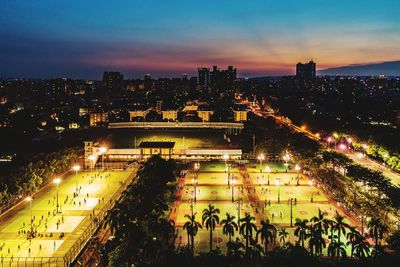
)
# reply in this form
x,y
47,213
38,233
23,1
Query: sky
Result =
x,y
83,38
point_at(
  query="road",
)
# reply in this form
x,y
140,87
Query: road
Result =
x,y
362,160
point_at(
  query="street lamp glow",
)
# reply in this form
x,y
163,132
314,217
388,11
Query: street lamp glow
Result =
x,y
349,140
267,169
76,168
342,146
278,182
91,158
226,157
360,155
57,181
311,182
364,146
29,199
297,167
335,135
329,139
103,150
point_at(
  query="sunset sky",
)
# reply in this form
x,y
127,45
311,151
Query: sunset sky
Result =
x,y
81,39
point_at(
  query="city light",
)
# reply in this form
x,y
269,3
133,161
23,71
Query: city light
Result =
x,y
57,181
76,168
342,147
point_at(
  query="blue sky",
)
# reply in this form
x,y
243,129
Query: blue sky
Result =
x,y
81,39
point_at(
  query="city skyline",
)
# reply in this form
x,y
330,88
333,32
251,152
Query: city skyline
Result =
x,y
262,38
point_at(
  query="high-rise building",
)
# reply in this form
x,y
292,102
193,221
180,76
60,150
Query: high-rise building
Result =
x,y
222,78
113,80
203,77
306,71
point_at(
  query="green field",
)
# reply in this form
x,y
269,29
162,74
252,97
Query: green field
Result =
x,y
213,189
95,191
182,138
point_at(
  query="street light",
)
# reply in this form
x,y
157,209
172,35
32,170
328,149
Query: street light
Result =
x,y
268,170
30,199
291,211
76,168
102,151
342,147
261,157
297,168
239,204
57,181
278,183
195,180
233,188
329,140
92,159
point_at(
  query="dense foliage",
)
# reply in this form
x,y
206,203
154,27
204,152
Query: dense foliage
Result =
x,y
36,172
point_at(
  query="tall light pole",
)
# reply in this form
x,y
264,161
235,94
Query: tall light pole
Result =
x,y
226,157
57,181
291,211
195,180
91,158
102,152
239,205
297,168
76,168
329,141
233,182
268,170
261,157
335,136
278,183
30,199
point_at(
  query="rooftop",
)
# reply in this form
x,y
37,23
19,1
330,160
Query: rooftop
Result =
x,y
157,144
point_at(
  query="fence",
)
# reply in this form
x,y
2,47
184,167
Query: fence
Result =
x,y
94,222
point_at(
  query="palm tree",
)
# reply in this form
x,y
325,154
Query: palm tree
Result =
x,y
301,230
192,227
361,248
267,233
235,249
316,242
210,218
283,234
376,229
353,237
247,227
340,226
229,226
336,249
319,222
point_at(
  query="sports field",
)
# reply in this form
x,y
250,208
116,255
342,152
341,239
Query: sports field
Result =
x,y
265,195
55,233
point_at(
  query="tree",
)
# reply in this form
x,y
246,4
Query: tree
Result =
x,y
283,234
340,226
376,229
319,222
247,227
361,248
210,218
394,241
301,230
316,242
336,249
353,237
267,233
229,226
192,227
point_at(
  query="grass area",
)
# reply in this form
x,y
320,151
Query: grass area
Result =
x,y
95,189
213,189
212,178
182,138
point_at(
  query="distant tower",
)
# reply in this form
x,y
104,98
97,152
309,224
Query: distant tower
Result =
x,y
306,71
203,76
